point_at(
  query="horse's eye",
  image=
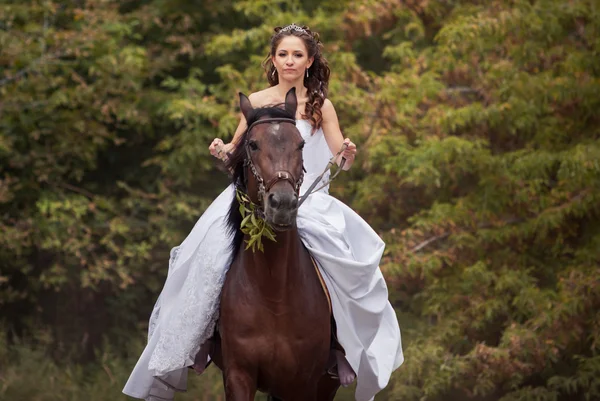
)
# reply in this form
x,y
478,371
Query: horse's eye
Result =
x,y
301,146
253,145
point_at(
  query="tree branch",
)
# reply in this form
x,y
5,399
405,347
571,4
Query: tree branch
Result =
x,y
428,241
76,189
510,221
34,64
462,90
513,220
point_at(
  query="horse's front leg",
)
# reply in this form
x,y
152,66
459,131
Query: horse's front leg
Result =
x,y
240,385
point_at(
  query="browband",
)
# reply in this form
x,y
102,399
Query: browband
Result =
x,y
272,120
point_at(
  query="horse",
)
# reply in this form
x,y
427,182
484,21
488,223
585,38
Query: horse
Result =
x,y
275,326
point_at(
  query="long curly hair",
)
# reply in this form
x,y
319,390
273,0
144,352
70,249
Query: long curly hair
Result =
x,y
317,82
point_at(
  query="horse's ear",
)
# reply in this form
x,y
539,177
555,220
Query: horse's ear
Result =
x,y
245,106
291,102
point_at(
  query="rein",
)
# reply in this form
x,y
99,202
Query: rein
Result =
x,y
330,164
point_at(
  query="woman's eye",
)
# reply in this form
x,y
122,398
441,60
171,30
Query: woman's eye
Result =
x,y
253,145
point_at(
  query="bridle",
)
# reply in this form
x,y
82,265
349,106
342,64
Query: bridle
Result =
x,y
280,175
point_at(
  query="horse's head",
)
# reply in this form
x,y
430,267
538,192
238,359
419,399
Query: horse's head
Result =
x,y
273,160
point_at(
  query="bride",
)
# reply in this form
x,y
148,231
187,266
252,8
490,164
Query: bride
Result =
x,y
345,247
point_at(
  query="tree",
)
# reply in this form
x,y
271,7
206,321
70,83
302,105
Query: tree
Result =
x,y
96,175
487,139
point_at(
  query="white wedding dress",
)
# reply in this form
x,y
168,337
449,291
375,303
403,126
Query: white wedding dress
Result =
x,y
347,251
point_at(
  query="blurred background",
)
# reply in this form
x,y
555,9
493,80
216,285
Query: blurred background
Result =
x,y
478,130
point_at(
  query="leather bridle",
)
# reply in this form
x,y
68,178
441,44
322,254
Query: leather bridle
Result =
x,y
283,175
280,175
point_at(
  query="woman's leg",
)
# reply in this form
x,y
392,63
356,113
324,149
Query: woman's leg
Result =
x,y
201,360
344,371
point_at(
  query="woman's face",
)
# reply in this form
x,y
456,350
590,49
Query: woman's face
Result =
x,y
291,58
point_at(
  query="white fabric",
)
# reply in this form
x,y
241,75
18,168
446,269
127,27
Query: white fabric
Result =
x,y
347,251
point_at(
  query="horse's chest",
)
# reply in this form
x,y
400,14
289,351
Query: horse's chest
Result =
x,y
282,324
287,354
281,332
272,317
267,310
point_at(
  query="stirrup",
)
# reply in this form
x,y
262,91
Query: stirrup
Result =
x,y
333,372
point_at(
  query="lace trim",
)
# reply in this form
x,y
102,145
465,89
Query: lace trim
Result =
x,y
192,319
156,311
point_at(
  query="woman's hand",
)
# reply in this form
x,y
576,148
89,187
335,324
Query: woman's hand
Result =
x,y
219,149
349,154
216,147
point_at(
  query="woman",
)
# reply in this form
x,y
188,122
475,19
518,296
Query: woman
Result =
x,y
346,249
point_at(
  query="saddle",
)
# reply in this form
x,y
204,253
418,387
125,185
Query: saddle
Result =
x,y
335,344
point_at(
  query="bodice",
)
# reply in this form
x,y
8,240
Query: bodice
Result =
x,y
316,154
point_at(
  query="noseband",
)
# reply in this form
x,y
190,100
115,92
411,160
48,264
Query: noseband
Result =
x,y
280,175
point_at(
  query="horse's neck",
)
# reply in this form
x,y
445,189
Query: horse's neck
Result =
x,y
278,267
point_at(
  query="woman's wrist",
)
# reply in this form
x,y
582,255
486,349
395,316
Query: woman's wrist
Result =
x,y
229,147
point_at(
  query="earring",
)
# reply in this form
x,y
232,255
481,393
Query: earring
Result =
x,y
307,73
274,71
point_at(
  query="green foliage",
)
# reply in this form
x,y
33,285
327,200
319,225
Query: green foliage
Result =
x,y
479,149
253,225
27,373
24,364
490,128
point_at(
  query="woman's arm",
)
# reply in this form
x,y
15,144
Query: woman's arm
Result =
x,y
219,149
334,137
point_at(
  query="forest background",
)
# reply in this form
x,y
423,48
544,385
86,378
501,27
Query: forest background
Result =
x,y
478,130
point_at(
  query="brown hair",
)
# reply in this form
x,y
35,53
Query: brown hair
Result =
x,y
317,82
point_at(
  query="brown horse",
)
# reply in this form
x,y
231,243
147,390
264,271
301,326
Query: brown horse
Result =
x,y
275,326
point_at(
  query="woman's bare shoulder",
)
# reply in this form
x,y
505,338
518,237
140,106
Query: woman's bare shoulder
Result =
x,y
327,105
328,111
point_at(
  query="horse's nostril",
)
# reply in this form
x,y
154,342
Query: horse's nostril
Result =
x,y
274,201
295,202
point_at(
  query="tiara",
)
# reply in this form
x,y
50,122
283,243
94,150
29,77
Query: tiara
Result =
x,y
293,27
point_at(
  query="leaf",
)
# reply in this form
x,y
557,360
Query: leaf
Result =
x,y
245,220
269,234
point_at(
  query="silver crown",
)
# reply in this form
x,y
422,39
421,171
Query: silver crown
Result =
x,y
293,27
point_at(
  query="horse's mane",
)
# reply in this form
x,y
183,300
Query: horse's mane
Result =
x,y
235,164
